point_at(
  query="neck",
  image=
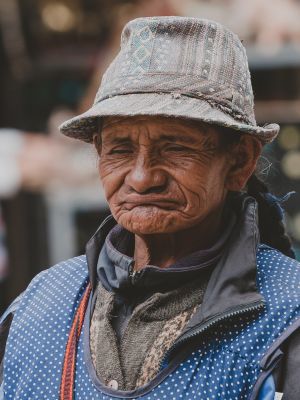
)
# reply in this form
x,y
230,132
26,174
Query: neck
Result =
x,y
164,249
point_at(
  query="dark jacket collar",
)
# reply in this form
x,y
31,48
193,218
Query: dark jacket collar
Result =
x,y
94,246
232,285
115,265
233,281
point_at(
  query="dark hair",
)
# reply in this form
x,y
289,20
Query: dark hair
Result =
x,y
270,216
270,213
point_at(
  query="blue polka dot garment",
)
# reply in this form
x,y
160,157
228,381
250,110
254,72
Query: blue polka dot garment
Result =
x,y
227,363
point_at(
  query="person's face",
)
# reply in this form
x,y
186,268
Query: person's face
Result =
x,y
162,175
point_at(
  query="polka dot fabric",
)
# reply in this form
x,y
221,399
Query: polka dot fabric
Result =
x,y
225,365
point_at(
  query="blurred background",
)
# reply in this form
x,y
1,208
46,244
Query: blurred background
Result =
x,y
52,56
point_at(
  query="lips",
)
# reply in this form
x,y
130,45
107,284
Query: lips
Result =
x,y
149,201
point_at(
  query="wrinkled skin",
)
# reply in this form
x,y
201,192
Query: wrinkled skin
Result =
x,y
166,180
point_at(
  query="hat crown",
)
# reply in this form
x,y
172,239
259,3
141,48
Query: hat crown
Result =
x,y
183,56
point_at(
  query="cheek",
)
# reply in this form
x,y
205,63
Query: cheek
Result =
x,y
203,189
112,177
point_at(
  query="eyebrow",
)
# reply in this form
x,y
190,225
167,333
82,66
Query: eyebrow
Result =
x,y
174,139
207,141
166,138
120,140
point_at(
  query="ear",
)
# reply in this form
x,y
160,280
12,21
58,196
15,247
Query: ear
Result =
x,y
243,159
97,140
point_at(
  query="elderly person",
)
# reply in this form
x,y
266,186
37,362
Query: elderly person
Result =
x,y
189,290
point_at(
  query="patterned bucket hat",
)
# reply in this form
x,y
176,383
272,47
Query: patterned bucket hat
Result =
x,y
177,67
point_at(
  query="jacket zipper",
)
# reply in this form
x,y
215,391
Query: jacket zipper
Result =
x,y
198,330
134,275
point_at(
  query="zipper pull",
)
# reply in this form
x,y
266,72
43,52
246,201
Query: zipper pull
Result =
x,y
134,275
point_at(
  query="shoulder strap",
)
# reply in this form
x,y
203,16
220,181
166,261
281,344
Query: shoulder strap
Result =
x,y
69,364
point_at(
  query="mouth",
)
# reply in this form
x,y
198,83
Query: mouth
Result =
x,y
150,202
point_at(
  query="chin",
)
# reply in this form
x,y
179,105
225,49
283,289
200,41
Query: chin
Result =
x,y
150,220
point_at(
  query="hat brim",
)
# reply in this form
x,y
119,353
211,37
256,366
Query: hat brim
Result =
x,y
84,126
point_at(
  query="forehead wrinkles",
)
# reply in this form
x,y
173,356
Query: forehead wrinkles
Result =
x,y
138,133
145,132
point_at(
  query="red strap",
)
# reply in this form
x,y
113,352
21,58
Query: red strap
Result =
x,y
69,365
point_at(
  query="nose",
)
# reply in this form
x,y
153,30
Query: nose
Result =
x,y
146,177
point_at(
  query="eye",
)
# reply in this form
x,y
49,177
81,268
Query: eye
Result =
x,y
176,148
120,151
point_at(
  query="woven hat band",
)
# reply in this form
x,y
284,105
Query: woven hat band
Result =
x,y
225,98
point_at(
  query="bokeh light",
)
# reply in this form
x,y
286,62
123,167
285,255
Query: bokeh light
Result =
x,y
58,17
289,138
291,164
